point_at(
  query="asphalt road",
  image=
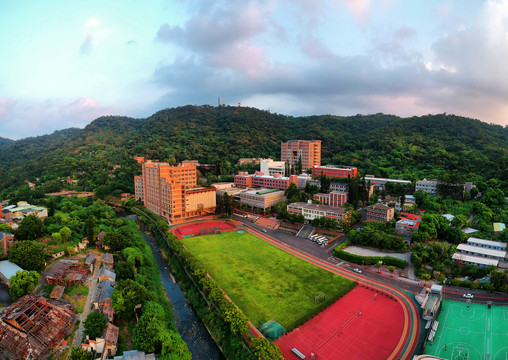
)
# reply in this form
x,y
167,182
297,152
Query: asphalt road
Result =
x,y
325,253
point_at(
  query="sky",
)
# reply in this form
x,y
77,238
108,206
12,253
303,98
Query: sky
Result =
x,y
65,63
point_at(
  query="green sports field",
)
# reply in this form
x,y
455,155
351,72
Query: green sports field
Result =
x,y
264,281
471,333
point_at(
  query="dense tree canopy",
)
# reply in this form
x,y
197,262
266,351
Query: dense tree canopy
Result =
x,y
383,145
95,324
23,282
30,228
29,255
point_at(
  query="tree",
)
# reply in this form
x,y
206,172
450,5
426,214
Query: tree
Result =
x,y
133,255
57,237
95,324
78,353
146,335
265,350
6,228
115,241
90,231
29,255
23,282
126,296
65,232
51,208
30,228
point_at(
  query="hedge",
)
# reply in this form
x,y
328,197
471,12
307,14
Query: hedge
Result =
x,y
370,260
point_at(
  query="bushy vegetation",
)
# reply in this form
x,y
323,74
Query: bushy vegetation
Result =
x,y
369,260
378,235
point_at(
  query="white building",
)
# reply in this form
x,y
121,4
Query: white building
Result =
x,y
496,245
379,183
478,255
315,211
429,186
271,167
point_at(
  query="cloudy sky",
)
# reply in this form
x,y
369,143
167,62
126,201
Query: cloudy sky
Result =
x,y
65,63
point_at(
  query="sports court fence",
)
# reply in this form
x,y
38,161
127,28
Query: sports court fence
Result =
x,y
210,231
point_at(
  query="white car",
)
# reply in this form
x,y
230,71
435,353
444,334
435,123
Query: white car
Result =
x,y
467,296
357,270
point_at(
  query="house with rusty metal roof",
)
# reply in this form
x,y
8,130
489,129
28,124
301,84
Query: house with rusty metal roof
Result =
x,y
32,325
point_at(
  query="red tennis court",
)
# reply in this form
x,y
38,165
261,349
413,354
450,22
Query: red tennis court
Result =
x,y
360,325
195,229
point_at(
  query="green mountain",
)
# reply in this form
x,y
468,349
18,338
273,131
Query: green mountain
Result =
x,y
383,145
4,141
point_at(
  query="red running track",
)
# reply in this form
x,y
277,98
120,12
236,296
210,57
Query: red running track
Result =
x,y
193,228
341,332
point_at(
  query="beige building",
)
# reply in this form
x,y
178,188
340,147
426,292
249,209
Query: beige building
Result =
x,y
380,213
263,198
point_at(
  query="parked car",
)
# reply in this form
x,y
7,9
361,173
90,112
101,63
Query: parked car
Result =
x,y
264,230
357,270
467,296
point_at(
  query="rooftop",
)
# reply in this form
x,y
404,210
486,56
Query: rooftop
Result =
x,y
318,207
33,325
486,242
481,250
107,258
9,269
475,259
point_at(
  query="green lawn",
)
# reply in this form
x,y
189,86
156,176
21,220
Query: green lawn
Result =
x,y
264,281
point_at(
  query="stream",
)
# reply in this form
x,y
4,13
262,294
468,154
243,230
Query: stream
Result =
x,y
199,341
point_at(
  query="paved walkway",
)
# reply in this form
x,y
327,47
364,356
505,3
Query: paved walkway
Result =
x,y
92,285
410,269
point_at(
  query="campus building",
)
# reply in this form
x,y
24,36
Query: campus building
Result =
x,y
407,224
334,185
380,183
171,191
481,253
429,186
315,211
334,171
271,167
380,212
262,198
259,179
334,198
309,151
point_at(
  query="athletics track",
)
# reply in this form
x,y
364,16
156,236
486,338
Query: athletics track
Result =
x,y
410,321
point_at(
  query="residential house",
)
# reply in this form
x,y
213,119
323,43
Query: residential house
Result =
x,y
107,260
107,274
102,293
31,326
89,262
106,344
6,242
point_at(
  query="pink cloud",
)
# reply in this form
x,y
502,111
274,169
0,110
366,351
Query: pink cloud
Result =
x,y
3,106
84,108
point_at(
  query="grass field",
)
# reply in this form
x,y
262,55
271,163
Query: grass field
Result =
x,y
264,281
471,333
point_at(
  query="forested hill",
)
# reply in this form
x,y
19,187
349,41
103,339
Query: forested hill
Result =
x,y
383,145
4,141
